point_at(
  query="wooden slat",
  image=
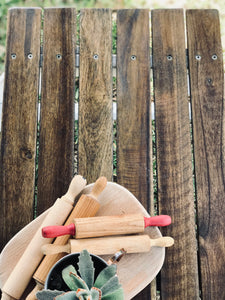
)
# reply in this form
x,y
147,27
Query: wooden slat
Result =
x,y
133,101
133,106
179,278
95,104
18,148
207,87
55,168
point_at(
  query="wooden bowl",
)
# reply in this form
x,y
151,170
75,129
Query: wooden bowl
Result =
x,y
135,271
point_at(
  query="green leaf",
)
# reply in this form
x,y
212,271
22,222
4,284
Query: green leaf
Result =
x,y
83,284
105,275
67,296
67,277
76,282
83,294
69,269
116,295
110,286
86,268
95,293
48,294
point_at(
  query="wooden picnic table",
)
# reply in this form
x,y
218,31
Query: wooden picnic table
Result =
x,y
38,158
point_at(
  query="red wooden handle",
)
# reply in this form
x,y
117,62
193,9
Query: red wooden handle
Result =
x,y
161,220
54,231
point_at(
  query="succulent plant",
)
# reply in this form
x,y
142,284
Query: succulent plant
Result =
x,y
83,287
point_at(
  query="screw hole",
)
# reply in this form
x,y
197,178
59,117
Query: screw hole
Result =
x,y
133,57
13,56
30,55
214,57
59,56
95,56
169,57
198,57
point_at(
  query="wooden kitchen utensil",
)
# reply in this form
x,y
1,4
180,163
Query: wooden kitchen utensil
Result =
x,y
135,271
27,264
106,226
87,206
110,245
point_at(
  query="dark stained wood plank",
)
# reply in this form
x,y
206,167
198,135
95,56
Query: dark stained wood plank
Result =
x,y
133,106
95,101
19,121
179,276
133,102
207,88
55,168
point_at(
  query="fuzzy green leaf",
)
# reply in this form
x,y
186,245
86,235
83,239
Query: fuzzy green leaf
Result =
x,y
83,294
110,286
48,294
67,277
67,296
76,282
69,269
95,293
105,275
86,268
116,295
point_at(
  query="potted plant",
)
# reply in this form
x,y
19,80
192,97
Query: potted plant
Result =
x,y
93,280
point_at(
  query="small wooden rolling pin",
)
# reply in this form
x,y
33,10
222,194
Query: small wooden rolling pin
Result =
x,y
110,245
24,269
106,226
87,206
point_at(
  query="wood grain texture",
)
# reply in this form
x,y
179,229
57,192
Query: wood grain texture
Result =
x,y
95,104
19,121
133,97
133,106
107,226
55,168
110,245
207,96
179,276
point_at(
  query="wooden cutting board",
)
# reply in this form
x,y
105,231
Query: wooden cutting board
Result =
x,y
135,271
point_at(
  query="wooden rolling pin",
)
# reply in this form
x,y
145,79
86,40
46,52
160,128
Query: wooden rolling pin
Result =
x,y
106,226
110,245
27,264
87,206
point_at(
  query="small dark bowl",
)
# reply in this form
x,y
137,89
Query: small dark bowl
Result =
x,y
54,279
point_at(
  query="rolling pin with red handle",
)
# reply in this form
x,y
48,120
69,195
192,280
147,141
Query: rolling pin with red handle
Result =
x,y
110,245
87,206
106,226
27,264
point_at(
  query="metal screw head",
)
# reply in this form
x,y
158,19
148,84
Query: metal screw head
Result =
x,y
198,57
214,57
133,57
59,56
30,55
95,56
169,57
13,55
